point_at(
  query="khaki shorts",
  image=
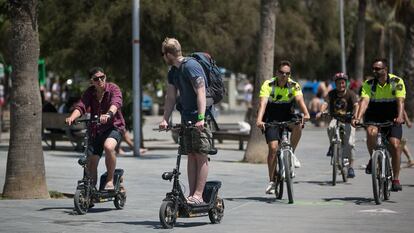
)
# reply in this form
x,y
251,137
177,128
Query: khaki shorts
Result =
x,y
195,141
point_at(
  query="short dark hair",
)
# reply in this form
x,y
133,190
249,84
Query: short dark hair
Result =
x,y
285,63
95,70
383,60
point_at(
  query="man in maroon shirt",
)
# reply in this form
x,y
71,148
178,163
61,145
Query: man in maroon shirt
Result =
x,y
104,100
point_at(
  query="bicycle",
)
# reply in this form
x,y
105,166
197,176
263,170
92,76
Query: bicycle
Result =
x,y
285,170
338,160
86,193
175,204
381,170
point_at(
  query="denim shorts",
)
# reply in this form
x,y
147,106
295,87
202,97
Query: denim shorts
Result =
x,y
96,144
195,141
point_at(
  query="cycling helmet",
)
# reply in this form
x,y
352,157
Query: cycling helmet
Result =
x,y
340,76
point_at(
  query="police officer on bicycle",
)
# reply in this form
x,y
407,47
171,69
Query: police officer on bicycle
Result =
x,y
382,99
342,102
277,98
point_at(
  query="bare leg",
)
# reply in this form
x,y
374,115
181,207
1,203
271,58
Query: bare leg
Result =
x,y
110,161
372,132
202,173
93,161
295,136
272,159
396,156
192,173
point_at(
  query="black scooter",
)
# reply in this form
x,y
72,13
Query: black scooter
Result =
x,y
86,193
175,205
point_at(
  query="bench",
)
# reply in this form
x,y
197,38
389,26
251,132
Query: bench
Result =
x,y
240,136
55,129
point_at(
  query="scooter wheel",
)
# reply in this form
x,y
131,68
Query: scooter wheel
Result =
x,y
82,202
119,201
168,214
217,212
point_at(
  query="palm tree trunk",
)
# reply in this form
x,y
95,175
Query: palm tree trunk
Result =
x,y
256,150
25,175
360,41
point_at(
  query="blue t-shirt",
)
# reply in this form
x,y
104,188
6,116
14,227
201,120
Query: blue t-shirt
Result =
x,y
183,78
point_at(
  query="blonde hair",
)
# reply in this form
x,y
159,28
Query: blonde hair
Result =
x,y
172,46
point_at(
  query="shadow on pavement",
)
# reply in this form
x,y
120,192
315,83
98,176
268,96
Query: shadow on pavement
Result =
x,y
259,199
356,200
321,183
157,225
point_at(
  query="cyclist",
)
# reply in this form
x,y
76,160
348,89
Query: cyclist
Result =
x,y
342,101
104,99
382,99
277,97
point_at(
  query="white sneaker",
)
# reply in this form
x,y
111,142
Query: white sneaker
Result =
x,y
295,161
271,188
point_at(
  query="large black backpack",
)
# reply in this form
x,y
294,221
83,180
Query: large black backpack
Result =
x,y
215,85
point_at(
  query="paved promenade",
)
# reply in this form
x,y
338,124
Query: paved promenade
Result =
x,y
318,207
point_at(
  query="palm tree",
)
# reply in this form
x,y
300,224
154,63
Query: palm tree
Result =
x,y
256,150
25,175
382,19
404,10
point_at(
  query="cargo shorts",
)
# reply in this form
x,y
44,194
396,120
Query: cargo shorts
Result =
x,y
195,141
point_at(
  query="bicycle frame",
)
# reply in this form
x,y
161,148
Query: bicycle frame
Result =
x,y
285,149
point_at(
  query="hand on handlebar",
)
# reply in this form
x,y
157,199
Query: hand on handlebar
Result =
x,y
199,125
163,125
399,120
104,118
260,124
69,120
355,122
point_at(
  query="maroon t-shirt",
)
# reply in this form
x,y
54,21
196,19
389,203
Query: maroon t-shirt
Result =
x,y
89,103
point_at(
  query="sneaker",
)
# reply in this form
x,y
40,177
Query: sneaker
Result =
x,y
295,161
330,152
368,168
271,188
351,172
396,186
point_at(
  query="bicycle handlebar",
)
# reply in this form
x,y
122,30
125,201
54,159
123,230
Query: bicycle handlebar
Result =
x,y
284,123
94,119
377,124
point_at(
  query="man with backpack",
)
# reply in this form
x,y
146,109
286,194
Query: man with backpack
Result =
x,y
187,77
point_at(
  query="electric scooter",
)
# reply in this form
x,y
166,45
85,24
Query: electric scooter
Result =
x,y
86,193
175,204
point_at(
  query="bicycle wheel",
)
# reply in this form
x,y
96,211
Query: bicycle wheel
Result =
x,y
377,184
388,178
168,214
287,162
334,162
279,179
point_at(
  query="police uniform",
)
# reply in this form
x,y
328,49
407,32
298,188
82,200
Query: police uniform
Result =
x,y
280,105
382,105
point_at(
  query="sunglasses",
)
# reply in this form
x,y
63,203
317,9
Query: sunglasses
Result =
x,y
96,79
377,68
283,73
